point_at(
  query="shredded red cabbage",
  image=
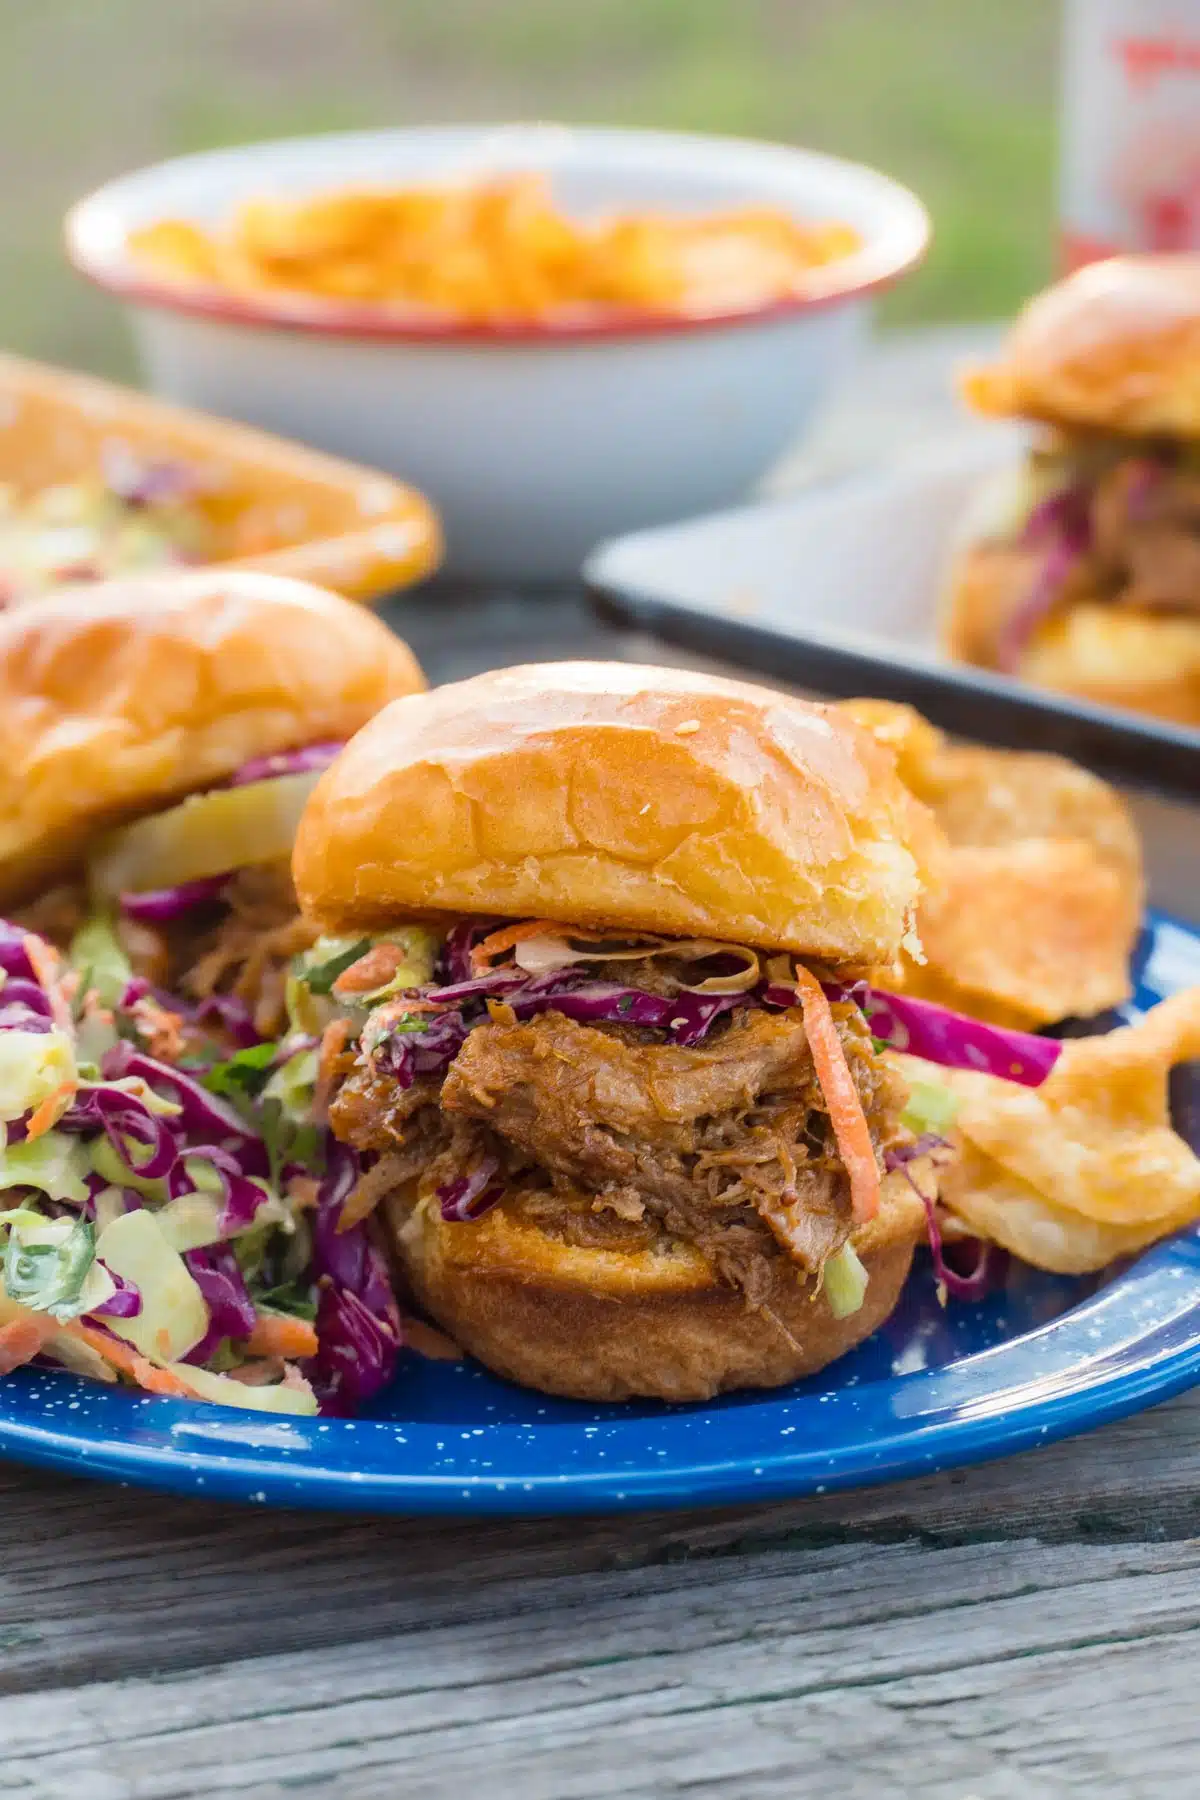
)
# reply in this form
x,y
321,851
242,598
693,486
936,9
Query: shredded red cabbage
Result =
x,y
357,1353
470,1196
358,1322
496,984
941,1036
240,1197
203,1113
917,1026
126,1303
285,762
454,964
685,1017
231,1313
430,1051
1062,524
19,1017
142,1139
971,1284
14,958
161,906
19,994
233,1016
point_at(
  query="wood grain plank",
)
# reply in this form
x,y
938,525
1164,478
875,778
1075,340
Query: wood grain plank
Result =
x,y
189,1575
866,1666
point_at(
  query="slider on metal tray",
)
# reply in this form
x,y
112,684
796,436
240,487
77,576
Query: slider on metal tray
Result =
x,y
1082,571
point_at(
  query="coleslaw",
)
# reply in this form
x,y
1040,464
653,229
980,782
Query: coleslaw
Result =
x,y
173,1221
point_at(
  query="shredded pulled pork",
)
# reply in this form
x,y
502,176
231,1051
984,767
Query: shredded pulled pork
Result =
x,y
242,944
248,951
609,1135
1140,548
1145,528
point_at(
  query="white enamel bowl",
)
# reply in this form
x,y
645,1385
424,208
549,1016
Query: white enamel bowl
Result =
x,y
535,441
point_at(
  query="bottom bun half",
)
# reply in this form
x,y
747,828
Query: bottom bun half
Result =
x,y
604,1324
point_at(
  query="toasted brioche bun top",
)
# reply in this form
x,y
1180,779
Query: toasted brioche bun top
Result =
x,y
1114,347
607,795
118,698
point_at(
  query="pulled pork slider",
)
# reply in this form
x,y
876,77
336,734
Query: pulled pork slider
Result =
x,y
588,930
159,739
1084,575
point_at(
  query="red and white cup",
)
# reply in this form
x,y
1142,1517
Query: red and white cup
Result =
x,y
1131,128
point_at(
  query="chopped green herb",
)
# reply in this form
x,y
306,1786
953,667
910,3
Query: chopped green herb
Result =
x,y
243,1072
293,1297
49,1277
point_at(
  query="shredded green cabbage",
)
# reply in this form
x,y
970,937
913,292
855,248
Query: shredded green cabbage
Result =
x,y
96,953
294,1085
174,1316
33,1065
930,1108
299,1400
55,1162
845,1281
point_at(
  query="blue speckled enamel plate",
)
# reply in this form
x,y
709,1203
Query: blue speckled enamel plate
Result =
x,y
1043,1357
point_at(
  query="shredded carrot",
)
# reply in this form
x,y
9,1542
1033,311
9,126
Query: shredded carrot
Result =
x,y
275,1334
24,1338
161,1028
846,1113
403,1006
43,1118
259,1374
333,1042
485,953
127,1362
112,1349
500,1012
161,1381
302,1191
374,969
43,960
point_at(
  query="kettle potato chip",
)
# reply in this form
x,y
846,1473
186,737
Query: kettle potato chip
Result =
x,y
1085,1167
1025,933
1040,893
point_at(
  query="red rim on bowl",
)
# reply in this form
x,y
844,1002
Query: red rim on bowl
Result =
x,y
102,257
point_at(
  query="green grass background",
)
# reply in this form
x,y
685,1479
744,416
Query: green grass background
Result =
x,y
956,97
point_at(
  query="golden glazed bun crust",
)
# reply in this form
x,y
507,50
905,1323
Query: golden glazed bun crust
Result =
x,y
620,1325
118,698
606,795
1114,347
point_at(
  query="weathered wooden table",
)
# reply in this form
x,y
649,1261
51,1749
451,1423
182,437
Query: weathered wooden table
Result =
x,y
1024,1631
